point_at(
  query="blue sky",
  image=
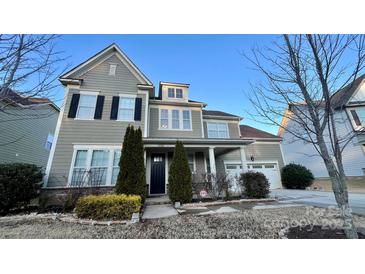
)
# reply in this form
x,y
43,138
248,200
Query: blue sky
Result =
x,y
212,64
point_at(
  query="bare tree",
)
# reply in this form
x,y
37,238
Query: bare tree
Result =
x,y
303,72
28,65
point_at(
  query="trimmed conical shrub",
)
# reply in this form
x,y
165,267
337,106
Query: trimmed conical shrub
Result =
x,y
132,174
180,185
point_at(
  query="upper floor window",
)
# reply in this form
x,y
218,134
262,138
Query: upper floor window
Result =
x,y
171,92
49,142
179,93
175,93
86,108
175,119
358,117
217,130
126,108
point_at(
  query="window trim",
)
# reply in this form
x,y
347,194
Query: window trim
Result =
x,y
216,122
126,96
352,120
169,119
45,144
90,149
86,93
115,65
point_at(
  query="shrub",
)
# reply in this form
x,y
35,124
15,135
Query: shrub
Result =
x,y
216,185
180,185
132,174
296,176
108,207
254,184
19,184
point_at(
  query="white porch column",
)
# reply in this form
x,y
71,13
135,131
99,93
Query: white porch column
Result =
x,y
212,161
243,159
145,157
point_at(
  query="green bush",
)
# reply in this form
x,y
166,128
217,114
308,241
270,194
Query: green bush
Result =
x,y
255,185
180,181
132,174
296,176
19,184
108,207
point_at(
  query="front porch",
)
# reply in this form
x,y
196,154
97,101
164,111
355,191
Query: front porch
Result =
x,y
202,156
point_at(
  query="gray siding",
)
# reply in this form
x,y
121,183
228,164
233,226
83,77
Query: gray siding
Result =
x,y
154,131
104,131
23,134
232,128
261,152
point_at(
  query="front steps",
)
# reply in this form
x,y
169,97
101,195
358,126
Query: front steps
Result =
x,y
158,200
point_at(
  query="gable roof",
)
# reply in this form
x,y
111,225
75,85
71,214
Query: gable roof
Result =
x,y
341,97
20,100
218,113
251,132
112,48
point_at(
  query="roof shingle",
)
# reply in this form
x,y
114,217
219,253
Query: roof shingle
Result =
x,y
251,132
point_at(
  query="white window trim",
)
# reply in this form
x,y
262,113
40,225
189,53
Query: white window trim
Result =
x,y
214,122
88,93
45,145
115,69
128,96
181,119
354,126
90,149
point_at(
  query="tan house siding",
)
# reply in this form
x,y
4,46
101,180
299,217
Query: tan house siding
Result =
x,y
154,130
267,152
104,131
24,139
232,129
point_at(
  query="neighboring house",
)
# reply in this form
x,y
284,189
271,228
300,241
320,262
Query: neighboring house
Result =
x,y
108,92
349,105
27,128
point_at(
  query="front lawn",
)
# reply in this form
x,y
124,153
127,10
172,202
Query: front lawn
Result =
x,y
258,223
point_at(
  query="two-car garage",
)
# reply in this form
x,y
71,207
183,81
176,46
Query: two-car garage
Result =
x,y
269,169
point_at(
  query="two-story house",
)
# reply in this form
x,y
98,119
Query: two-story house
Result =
x,y
108,92
349,106
27,127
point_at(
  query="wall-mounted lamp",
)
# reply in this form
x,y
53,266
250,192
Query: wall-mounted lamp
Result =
x,y
252,158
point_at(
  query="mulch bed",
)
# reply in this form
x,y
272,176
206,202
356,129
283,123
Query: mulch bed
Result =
x,y
317,232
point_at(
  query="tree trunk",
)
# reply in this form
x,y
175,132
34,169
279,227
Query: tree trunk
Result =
x,y
339,186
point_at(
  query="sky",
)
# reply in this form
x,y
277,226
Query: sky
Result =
x,y
213,65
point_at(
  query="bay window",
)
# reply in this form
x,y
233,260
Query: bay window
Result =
x,y
217,130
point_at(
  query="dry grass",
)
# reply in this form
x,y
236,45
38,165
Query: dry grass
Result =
x,y
256,224
355,184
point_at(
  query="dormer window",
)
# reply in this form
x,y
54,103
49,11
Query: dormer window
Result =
x,y
175,93
112,69
179,93
171,92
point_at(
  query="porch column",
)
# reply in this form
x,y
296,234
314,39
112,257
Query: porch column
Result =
x,y
212,161
145,158
243,159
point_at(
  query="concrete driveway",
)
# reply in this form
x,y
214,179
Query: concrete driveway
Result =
x,y
318,198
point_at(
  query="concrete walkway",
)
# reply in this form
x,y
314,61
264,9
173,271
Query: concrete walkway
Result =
x,y
318,198
159,211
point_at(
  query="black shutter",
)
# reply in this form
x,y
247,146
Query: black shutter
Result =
x,y
99,107
73,106
356,117
138,109
114,111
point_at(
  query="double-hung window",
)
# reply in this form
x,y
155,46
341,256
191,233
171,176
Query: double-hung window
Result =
x,y
95,166
171,92
126,108
164,118
175,119
99,167
179,93
86,108
217,130
186,119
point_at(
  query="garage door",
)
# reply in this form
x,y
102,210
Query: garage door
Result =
x,y
270,170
